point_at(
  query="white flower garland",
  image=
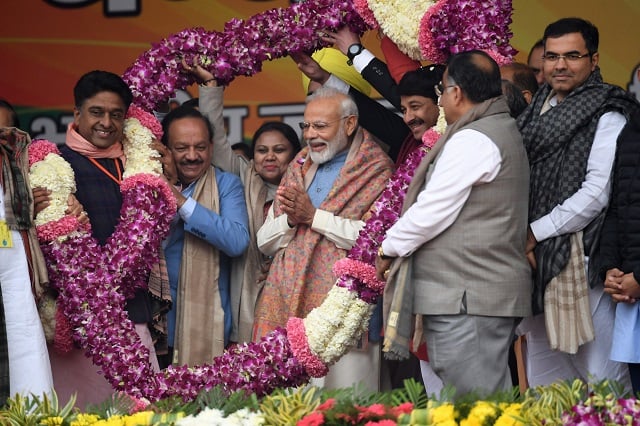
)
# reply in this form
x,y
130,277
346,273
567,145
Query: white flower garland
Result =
x,y
400,21
138,154
333,326
55,174
214,417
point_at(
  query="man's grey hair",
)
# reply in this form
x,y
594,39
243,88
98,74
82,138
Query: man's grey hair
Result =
x,y
347,104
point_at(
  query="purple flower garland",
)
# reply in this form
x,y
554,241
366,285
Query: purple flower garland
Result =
x,y
453,26
238,50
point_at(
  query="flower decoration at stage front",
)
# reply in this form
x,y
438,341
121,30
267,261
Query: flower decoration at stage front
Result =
x,y
397,20
329,330
453,26
238,50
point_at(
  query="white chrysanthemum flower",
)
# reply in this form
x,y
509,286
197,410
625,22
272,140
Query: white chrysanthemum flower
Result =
x,y
208,416
55,174
323,322
441,124
400,21
353,325
137,149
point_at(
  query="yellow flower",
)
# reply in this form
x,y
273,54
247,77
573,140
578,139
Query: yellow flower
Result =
x,y
442,415
139,418
481,410
85,420
111,421
507,418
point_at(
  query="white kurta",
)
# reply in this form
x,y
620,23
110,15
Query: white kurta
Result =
x,y
29,367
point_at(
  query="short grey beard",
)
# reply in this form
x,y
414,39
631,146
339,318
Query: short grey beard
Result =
x,y
333,148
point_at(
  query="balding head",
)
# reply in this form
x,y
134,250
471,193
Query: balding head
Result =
x,y
477,75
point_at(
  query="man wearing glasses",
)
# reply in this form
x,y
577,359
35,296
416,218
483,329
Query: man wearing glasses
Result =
x,y
315,219
570,131
460,240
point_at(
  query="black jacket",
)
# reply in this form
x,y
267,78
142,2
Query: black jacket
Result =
x,y
384,124
620,240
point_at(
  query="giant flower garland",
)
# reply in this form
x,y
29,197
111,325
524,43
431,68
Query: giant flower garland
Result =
x,y
90,285
436,29
397,19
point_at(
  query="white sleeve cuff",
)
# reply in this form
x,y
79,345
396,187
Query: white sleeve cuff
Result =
x,y
361,61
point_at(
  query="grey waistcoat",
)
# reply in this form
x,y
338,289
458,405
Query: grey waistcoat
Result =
x,y
478,265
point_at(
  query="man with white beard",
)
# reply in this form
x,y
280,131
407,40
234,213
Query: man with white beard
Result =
x,y
315,219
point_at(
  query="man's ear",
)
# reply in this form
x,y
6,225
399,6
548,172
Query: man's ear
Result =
x,y
527,96
351,124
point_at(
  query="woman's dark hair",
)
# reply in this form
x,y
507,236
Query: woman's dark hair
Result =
x,y
278,126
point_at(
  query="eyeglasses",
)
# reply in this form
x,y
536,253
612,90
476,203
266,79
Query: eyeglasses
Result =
x,y
319,126
569,57
440,88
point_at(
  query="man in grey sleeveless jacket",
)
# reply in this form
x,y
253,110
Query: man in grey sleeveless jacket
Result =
x,y
460,241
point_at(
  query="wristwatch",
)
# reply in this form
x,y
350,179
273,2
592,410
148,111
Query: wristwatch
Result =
x,y
354,50
382,255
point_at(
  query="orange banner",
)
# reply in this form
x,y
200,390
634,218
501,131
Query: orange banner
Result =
x,y
47,44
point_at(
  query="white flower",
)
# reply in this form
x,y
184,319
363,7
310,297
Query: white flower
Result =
x,y
441,124
55,174
353,325
208,416
138,150
323,322
214,417
400,21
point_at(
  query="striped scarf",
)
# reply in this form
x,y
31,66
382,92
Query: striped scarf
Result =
x,y
558,144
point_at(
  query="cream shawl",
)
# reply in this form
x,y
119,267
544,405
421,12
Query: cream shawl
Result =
x,y
200,317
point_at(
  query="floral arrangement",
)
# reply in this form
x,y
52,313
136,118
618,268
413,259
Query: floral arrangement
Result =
x,y
436,29
397,20
453,26
93,282
311,406
238,50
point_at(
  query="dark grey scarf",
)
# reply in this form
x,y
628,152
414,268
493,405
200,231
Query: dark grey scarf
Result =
x,y
558,144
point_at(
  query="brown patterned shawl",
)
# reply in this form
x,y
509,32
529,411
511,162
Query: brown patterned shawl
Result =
x,y
300,276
